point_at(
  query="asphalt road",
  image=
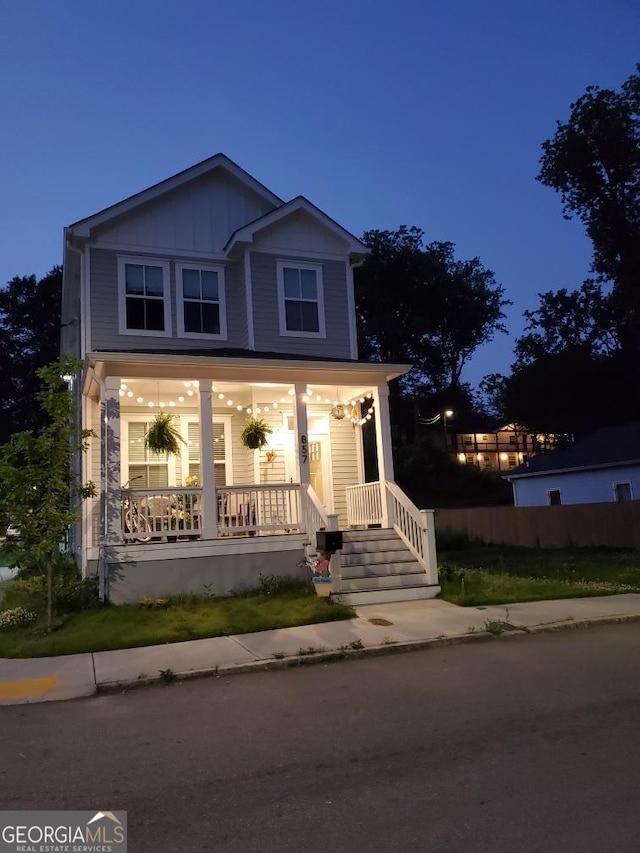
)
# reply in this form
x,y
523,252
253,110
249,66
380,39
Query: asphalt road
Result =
x,y
517,745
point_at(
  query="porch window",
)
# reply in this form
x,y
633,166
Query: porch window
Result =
x,y
301,303
144,299
219,452
147,470
201,301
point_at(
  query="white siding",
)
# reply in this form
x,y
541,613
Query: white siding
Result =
x,y
299,232
344,463
579,487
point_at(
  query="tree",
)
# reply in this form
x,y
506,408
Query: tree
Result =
x,y
38,485
593,161
416,303
29,339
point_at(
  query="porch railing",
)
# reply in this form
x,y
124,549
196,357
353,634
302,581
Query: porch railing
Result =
x,y
364,504
414,526
153,514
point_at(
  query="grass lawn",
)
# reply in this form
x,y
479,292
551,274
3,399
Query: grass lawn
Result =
x,y
486,574
185,619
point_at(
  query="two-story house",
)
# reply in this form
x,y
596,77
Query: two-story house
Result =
x,y
208,297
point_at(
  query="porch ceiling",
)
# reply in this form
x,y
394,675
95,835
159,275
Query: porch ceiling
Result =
x,y
347,375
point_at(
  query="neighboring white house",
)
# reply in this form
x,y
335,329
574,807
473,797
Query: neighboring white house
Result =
x,y
603,467
209,297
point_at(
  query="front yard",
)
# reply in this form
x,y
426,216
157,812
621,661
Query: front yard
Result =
x,y
188,618
484,574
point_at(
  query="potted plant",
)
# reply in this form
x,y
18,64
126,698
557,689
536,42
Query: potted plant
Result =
x,y
255,434
163,436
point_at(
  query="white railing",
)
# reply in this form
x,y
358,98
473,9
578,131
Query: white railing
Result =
x,y
364,504
415,527
316,517
156,513
259,509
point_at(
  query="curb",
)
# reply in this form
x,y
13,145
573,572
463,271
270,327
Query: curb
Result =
x,y
334,655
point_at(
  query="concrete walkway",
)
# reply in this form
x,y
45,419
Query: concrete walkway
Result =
x,y
378,629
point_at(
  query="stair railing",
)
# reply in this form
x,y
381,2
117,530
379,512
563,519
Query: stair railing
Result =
x,y
415,527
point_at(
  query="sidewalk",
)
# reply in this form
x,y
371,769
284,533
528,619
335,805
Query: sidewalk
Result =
x,y
377,629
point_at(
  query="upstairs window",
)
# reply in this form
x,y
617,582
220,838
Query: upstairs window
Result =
x,y
201,301
144,297
301,302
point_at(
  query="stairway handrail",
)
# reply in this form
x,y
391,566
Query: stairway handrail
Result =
x,y
415,527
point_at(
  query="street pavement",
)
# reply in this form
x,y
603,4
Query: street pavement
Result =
x,y
528,745
377,629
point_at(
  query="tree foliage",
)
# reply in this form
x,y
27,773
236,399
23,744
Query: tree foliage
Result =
x,y
416,303
38,484
29,339
593,161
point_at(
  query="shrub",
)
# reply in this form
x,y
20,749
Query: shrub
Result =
x,y
70,593
154,603
16,616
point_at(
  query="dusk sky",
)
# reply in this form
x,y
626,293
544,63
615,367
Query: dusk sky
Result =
x,y
381,113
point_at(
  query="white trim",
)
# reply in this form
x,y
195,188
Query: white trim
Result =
x,y
298,253
176,253
351,309
222,302
248,289
122,314
83,227
153,551
225,420
85,311
247,232
138,417
317,268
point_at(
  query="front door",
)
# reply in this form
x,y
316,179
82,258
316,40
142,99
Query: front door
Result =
x,y
315,468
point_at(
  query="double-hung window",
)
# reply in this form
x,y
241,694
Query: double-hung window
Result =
x,y
144,297
201,301
301,299
192,456
146,470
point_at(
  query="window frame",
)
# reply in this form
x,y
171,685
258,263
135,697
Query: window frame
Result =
x,y
555,491
281,264
180,266
128,418
122,295
225,420
616,496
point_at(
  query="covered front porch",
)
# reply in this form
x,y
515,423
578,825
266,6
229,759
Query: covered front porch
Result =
x,y
216,489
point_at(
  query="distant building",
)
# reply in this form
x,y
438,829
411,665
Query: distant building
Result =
x,y
502,448
603,467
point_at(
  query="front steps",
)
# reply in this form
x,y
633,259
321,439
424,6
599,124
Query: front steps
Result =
x,y
376,567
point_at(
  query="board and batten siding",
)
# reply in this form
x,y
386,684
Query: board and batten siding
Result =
x,y
104,307
578,487
199,216
344,463
265,309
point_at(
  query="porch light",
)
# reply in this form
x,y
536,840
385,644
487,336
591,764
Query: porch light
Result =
x,y
181,399
291,392
462,457
121,392
172,404
221,396
239,408
283,399
150,404
327,401
161,405
229,402
305,398
187,384
249,410
275,405
503,456
139,400
318,398
189,393
129,393
266,409
258,410
362,399
123,386
352,403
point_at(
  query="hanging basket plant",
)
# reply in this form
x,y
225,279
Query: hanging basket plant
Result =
x,y
255,432
163,436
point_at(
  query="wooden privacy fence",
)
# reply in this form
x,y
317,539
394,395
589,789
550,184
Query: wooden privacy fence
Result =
x,y
615,525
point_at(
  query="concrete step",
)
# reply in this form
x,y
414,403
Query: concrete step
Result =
x,y
381,570
389,595
360,558
372,546
365,534
413,579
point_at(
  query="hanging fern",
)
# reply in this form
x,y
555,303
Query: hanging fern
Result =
x,y
163,436
255,432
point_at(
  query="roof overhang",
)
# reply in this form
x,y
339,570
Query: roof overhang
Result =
x,y
83,227
527,474
234,369
247,233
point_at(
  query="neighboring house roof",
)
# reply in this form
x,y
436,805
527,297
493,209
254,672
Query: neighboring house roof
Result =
x,y
299,203
219,161
610,446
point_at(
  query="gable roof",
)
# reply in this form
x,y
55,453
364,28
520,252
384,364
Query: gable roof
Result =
x,y
82,227
247,232
609,446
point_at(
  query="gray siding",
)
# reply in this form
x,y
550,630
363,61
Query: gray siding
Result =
x,y
105,333
265,309
70,319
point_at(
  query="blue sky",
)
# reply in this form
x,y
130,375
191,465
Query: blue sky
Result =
x,y
409,112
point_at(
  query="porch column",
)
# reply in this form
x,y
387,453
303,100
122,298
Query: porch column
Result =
x,y
302,435
384,449
207,469
112,496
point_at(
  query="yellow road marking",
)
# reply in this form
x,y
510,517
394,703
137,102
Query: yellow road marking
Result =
x,y
29,688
